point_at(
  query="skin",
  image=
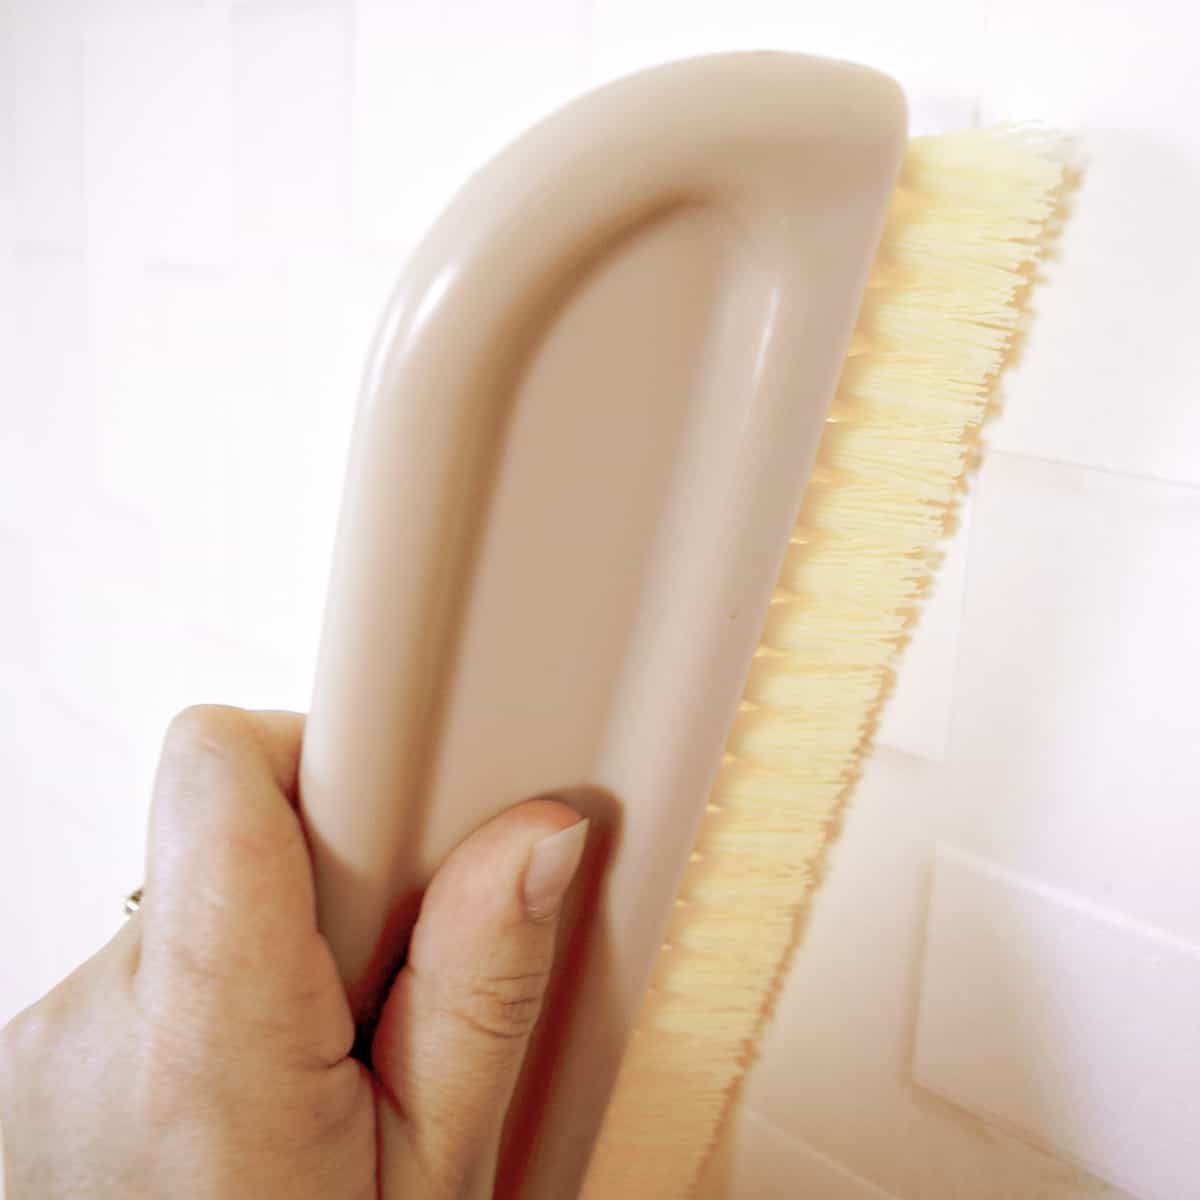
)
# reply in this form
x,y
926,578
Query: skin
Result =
x,y
205,1051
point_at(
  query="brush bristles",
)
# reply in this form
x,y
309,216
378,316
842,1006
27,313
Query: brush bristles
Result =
x,y
967,223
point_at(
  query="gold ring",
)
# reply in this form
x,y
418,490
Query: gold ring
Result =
x,y
133,902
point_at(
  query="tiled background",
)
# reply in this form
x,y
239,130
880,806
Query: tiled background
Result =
x,y
203,206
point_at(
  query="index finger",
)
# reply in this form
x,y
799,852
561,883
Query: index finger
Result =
x,y
228,875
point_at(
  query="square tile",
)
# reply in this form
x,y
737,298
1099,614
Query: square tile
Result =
x,y
41,87
1073,754
1107,378
292,89
159,174
1065,1021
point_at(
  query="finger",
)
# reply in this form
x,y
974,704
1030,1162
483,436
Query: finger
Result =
x,y
456,1023
228,877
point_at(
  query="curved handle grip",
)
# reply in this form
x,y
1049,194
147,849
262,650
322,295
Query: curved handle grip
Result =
x,y
797,157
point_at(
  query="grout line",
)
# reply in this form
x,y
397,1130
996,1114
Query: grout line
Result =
x,y
870,1190
1112,472
1076,902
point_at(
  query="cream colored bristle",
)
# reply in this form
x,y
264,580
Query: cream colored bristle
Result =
x,y
968,221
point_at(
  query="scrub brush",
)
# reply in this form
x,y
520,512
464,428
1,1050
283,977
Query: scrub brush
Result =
x,y
596,405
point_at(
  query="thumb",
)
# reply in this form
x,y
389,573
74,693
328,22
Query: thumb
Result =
x,y
455,1026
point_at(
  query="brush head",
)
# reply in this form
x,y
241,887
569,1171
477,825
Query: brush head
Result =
x,y
970,218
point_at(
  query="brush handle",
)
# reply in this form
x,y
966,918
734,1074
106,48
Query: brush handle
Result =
x,y
581,445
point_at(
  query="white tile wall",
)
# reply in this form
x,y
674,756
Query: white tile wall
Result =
x,y
203,205
835,1070
1075,725
438,87
1069,1023
1118,367
919,710
292,93
157,131
935,46
43,78
767,1164
51,439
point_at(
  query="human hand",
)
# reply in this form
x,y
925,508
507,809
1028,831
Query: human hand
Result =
x,y
205,1051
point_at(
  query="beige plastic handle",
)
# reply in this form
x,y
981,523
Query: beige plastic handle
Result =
x,y
582,443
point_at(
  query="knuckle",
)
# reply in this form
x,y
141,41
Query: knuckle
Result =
x,y
8,1058
22,1045
502,1008
204,730
22,1035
